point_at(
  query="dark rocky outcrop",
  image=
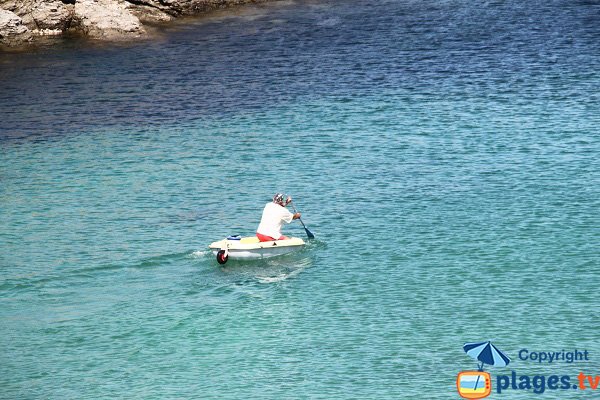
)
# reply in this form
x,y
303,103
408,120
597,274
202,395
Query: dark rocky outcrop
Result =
x,y
21,22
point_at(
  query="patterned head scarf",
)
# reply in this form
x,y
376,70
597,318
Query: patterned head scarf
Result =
x,y
278,198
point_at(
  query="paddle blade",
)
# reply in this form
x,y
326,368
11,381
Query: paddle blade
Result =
x,y
309,233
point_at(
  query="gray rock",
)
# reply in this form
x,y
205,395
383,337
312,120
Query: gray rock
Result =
x,y
150,15
22,9
54,15
190,7
12,30
106,19
41,17
22,20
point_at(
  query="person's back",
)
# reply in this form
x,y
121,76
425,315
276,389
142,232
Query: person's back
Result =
x,y
273,217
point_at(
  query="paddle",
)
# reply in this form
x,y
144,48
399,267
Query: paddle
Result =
x,y
308,233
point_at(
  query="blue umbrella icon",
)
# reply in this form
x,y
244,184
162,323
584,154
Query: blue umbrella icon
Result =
x,y
486,353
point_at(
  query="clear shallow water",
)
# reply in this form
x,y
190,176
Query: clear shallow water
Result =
x,y
445,155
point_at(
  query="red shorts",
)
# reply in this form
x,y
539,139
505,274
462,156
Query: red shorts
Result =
x,y
265,238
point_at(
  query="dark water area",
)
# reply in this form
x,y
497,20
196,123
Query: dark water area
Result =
x,y
541,51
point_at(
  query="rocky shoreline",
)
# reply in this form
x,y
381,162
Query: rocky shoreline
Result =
x,y
24,22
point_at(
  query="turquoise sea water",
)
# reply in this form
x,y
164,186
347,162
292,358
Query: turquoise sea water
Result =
x,y
445,154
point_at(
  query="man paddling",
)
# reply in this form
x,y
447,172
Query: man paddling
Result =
x,y
273,217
